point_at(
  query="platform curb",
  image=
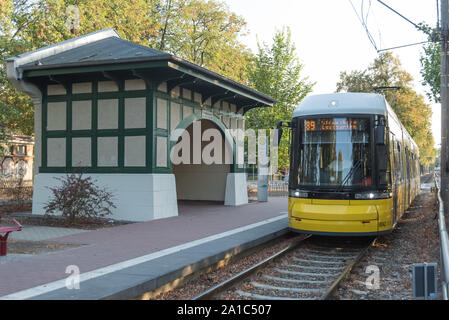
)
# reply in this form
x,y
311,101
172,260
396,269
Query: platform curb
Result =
x,y
133,282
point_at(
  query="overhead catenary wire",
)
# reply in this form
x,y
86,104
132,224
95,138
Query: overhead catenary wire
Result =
x,y
364,18
403,46
402,16
362,22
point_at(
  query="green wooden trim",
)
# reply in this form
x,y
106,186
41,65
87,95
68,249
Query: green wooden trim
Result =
x,y
150,125
150,132
95,68
100,133
94,126
121,127
216,82
95,133
98,170
99,95
68,142
169,146
157,132
161,132
44,129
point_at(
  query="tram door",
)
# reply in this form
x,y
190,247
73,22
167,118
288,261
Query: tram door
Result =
x,y
396,177
409,175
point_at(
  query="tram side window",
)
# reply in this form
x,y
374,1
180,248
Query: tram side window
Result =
x,y
397,162
400,164
384,165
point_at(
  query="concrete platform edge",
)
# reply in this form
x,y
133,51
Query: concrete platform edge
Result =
x,y
155,283
134,281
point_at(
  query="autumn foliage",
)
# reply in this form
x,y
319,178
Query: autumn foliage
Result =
x,y
414,113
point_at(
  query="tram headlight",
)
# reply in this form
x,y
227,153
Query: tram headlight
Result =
x,y
298,194
373,195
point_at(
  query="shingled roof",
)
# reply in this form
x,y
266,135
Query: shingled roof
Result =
x,y
109,50
105,50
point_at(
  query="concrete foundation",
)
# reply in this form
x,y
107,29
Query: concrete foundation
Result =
x,y
138,197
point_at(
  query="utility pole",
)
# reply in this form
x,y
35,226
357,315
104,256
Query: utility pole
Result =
x,y
444,103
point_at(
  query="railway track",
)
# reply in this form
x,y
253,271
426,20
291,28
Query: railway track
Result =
x,y
311,268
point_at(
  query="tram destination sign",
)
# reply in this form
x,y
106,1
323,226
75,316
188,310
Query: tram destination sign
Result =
x,y
336,124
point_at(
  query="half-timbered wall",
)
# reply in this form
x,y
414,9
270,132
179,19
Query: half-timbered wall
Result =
x,y
119,126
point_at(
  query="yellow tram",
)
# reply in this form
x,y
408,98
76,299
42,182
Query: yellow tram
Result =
x,y
354,168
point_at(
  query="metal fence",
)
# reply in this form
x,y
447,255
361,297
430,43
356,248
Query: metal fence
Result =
x,y
15,192
444,244
275,189
278,189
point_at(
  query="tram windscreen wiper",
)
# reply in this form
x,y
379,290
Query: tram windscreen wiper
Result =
x,y
351,172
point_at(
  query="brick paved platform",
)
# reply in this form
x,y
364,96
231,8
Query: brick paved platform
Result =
x,y
125,261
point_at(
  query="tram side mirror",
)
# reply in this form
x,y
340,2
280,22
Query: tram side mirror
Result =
x,y
380,135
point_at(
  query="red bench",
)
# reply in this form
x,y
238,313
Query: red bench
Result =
x,y
4,233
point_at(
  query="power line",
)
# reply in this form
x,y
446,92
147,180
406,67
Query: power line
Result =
x,y
403,46
364,18
362,22
416,26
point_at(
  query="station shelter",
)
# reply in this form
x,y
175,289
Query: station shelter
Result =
x,y
111,107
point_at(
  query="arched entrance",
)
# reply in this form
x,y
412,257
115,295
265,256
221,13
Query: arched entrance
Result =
x,y
207,160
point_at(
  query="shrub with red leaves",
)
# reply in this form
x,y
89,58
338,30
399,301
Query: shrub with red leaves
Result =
x,y
79,197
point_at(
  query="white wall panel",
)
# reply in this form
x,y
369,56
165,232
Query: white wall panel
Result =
x,y
107,149
82,115
55,89
135,84
175,115
56,151
161,154
135,151
135,115
197,97
187,94
107,86
187,111
161,117
82,87
56,115
81,152
108,114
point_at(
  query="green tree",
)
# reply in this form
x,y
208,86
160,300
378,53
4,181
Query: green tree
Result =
x,y
414,113
28,25
203,32
430,60
277,72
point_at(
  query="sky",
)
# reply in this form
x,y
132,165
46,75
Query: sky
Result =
x,y
329,37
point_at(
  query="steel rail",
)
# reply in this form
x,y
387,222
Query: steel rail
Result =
x,y
330,291
444,244
231,282
208,294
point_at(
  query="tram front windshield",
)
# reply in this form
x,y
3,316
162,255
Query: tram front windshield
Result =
x,y
335,153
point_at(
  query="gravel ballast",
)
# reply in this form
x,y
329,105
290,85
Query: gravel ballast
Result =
x,y
415,240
